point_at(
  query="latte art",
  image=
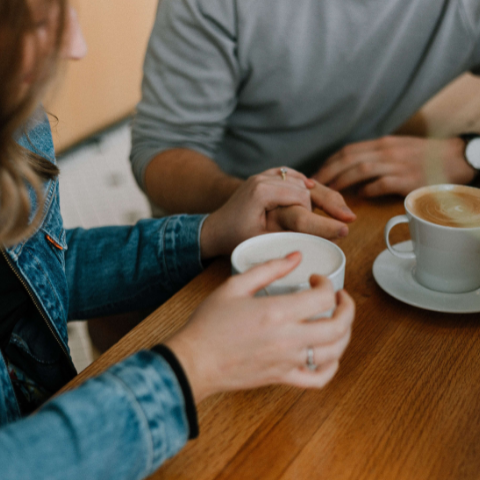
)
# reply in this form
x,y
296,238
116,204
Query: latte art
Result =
x,y
458,207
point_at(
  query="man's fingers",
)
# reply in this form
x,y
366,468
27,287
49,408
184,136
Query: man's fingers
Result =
x,y
364,171
298,219
367,146
331,202
260,276
329,173
388,185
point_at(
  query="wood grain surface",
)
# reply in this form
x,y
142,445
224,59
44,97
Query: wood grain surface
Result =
x,y
404,405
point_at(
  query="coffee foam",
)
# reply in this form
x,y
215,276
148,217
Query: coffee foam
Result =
x,y
318,257
457,207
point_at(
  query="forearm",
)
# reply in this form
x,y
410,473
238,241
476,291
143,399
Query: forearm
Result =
x,y
121,425
185,181
141,265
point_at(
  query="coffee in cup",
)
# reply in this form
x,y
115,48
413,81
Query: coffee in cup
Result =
x,y
457,207
319,256
444,222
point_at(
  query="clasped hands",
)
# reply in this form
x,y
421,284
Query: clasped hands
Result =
x,y
235,340
268,203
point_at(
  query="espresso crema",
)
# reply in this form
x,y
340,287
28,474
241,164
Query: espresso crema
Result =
x,y
456,207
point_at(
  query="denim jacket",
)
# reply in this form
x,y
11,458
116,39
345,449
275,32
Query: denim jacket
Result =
x,y
125,423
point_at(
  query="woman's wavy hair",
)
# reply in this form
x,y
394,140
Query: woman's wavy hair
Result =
x,y
21,170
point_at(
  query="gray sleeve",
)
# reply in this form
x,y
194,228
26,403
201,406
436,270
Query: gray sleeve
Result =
x,y
471,17
191,76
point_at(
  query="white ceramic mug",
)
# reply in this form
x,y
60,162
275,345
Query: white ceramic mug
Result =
x,y
447,258
319,256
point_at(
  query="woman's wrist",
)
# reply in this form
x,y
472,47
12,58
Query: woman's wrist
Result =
x,y
215,236
170,357
192,367
209,238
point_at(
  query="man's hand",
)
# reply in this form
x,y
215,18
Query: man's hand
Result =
x,y
299,219
396,165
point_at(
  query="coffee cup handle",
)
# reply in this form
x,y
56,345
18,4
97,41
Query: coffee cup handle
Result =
x,y
388,227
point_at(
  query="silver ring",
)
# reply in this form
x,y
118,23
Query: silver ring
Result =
x,y
311,359
283,173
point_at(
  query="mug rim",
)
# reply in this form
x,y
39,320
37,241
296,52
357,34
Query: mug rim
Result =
x,y
439,187
251,240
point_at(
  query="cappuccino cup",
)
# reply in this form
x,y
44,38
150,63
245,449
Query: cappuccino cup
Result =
x,y
319,256
444,223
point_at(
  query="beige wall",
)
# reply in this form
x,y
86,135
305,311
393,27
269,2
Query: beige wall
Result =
x,y
105,86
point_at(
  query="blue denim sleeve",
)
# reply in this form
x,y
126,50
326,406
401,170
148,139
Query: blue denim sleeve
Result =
x,y
121,425
113,270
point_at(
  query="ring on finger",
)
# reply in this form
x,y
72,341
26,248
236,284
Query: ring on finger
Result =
x,y
283,173
311,365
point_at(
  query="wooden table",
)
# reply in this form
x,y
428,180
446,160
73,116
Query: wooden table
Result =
x,y
404,405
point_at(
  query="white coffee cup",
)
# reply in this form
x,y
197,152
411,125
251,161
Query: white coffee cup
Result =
x,y
319,256
447,255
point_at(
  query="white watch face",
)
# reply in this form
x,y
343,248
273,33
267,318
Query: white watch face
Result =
x,y
472,153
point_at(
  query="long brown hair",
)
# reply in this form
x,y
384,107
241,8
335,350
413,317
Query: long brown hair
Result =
x,y
19,168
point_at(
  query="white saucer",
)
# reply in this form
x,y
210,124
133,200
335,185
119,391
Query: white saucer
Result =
x,y
395,276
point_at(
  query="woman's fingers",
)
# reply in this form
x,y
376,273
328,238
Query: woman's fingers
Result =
x,y
276,193
305,378
289,173
258,277
299,306
326,353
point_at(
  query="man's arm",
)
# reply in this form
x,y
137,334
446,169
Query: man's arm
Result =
x,y
191,77
182,180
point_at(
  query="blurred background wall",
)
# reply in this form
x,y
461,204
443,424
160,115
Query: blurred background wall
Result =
x,y
105,86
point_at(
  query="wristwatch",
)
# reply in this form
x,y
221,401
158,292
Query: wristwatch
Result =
x,y
472,149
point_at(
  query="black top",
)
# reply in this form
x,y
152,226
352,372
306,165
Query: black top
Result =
x,y
14,301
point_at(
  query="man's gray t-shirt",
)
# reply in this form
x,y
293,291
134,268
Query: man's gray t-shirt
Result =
x,y
255,84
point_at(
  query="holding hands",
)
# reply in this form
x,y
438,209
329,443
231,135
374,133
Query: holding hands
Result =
x,y
272,202
236,341
396,165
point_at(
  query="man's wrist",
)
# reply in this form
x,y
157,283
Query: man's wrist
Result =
x,y
224,187
471,150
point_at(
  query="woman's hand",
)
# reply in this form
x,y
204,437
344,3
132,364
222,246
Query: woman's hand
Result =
x,y
396,165
267,203
236,341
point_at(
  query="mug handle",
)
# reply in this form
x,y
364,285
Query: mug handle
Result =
x,y
390,224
